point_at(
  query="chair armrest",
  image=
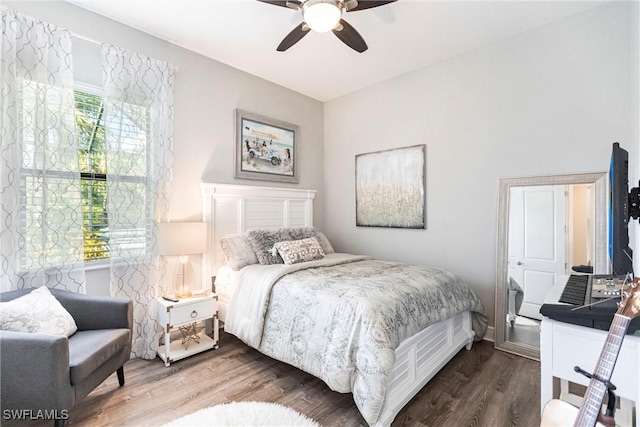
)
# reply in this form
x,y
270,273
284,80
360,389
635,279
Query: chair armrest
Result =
x,y
32,363
97,312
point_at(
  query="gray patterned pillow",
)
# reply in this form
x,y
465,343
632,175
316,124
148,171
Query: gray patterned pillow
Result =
x,y
262,241
295,251
324,242
38,312
237,251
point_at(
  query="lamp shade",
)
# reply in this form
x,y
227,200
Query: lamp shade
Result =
x,y
182,238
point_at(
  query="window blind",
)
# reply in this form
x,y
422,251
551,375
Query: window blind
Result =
x,y
88,177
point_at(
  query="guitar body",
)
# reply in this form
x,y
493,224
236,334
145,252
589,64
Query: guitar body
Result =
x,y
560,414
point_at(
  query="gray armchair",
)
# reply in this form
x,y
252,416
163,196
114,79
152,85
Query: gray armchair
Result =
x,y
42,372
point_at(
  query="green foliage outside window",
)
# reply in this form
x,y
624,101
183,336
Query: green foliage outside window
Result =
x,y
93,169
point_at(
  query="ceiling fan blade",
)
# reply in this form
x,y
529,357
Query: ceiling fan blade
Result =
x,y
350,36
293,37
293,4
368,4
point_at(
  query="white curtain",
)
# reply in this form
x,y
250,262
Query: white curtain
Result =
x,y
41,236
139,134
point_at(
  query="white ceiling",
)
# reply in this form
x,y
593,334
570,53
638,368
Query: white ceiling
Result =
x,y
402,37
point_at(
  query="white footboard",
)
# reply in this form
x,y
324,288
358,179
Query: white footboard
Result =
x,y
420,357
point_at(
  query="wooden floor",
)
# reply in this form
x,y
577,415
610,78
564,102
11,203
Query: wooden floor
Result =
x,y
480,387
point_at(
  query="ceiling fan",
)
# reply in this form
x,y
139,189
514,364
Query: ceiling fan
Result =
x,y
326,15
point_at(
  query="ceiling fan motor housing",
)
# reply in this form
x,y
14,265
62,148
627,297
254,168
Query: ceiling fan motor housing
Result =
x,y
322,15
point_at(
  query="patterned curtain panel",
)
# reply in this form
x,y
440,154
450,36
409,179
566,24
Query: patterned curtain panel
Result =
x,y
139,136
41,235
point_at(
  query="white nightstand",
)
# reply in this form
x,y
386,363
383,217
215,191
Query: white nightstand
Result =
x,y
185,312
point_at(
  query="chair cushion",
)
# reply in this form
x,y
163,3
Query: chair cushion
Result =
x,y
88,350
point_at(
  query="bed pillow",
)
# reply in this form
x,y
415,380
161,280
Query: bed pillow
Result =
x,y
37,312
295,251
237,251
262,241
324,242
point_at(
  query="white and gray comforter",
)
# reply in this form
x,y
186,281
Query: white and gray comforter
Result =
x,y
341,318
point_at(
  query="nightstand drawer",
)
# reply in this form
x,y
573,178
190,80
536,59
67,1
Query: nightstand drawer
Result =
x,y
192,312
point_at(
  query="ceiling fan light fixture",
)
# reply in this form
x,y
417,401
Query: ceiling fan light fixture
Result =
x,y
321,16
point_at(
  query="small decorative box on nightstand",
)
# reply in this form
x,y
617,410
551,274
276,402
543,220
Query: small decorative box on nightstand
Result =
x,y
184,314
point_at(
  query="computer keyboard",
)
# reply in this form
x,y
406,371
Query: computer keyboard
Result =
x,y
575,291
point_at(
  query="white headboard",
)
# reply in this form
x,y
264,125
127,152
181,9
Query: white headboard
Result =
x,y
234,209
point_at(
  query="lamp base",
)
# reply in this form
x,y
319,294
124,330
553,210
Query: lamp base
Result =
x,y
182,295
183,279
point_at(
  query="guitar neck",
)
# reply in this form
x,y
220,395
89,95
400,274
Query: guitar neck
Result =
x,y
590,408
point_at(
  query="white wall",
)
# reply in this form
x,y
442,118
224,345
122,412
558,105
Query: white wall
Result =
x,y
550,101
206,94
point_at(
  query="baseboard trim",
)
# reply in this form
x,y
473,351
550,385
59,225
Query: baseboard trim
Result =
x,y
490,335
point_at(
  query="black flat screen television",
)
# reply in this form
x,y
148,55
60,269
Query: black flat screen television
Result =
x,y
620,254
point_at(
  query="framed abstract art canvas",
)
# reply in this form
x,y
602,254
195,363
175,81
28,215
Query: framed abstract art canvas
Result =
x,y
390,188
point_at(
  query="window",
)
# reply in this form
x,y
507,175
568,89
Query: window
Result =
x,y
51,183
90,134
126,176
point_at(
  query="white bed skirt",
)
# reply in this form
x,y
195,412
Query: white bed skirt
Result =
x,y
418,359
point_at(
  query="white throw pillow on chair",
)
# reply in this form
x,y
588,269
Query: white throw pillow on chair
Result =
x,y
37,312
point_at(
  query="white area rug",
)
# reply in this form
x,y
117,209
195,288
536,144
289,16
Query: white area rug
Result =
x,y
244,414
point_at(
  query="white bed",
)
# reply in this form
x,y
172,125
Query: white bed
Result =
x,y
231,209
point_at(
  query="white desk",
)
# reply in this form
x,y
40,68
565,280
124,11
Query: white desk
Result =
x,y
563,346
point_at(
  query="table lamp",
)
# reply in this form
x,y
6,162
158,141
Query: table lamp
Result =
x,y
182,239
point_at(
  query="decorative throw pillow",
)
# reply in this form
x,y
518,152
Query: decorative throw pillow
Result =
x,y
262,241
305,232
38,311
295,251
237,251
300,233
324,242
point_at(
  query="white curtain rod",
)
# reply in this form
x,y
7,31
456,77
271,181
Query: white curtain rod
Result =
x,y
85,38
177,68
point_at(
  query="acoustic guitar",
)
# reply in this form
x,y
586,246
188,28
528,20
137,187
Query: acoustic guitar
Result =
x,y
562,414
